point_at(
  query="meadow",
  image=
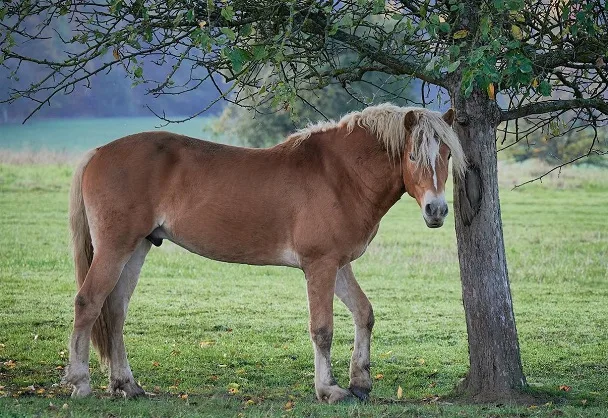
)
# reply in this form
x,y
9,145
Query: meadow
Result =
x,y
214,339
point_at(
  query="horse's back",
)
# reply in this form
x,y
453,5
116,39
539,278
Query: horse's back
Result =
x,y
220,201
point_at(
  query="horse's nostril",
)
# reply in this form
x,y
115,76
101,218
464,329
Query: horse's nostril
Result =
x,y
444,211
428,210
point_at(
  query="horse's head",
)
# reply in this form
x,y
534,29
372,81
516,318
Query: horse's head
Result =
x,y
430,142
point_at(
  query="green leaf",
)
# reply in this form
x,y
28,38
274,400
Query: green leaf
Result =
x,y
499,4
453,66
229,33
139,72
148,34
454,51
515,5
190,15
238,57
227,12
396,16
525,67
545,88
444,27
246,30
259,52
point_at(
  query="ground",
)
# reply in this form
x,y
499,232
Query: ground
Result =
x,y
214,339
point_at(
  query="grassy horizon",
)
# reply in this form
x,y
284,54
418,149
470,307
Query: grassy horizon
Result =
x,y
215,339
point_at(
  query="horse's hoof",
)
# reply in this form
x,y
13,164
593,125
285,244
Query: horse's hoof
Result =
x,y
81,391
334,394
128,389
360,392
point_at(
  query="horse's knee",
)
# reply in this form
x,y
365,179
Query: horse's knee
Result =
x,y
322,337
86,311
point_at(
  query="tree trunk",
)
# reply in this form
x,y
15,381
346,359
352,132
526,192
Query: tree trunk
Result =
x,y
495,365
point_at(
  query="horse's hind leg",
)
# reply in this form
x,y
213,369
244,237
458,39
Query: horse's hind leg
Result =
x,y
101,278
349,292
121,377
321,279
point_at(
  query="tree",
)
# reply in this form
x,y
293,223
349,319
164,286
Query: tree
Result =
x,y
499,61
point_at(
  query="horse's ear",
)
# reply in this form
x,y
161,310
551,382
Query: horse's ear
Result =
x,y
411,119
449,116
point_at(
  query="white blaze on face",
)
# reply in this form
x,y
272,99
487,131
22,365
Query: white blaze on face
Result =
x,y
433,153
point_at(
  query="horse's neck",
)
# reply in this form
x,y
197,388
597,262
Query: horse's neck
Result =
x,y
377,179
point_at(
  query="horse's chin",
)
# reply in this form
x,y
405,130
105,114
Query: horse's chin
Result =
x,y
434,224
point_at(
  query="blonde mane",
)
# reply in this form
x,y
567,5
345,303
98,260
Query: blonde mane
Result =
x,y
387,123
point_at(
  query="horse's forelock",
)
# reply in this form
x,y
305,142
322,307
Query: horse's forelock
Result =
x,y
430,130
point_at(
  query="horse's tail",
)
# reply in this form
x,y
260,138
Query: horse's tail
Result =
x,y
83,253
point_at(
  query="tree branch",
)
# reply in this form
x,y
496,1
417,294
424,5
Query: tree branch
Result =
x,y
553,106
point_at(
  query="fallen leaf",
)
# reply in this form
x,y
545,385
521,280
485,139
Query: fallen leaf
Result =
x,y
399,393
65,406
584,401
155,363
421,361
379,376
40,391
204,344
233,391
385,355
565,388
202,24
289,405
183,397
10,364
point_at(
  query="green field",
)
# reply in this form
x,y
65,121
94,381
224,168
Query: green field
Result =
x,y
214,339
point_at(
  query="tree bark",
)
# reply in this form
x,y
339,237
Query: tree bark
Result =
x,y
495,365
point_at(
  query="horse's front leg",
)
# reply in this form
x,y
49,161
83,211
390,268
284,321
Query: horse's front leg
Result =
x,y
321,281
349,292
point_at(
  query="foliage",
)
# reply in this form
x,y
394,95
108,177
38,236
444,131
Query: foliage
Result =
x,y
194,332
538,57
260,125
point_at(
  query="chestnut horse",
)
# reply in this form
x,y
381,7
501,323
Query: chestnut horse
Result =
x,y
313,202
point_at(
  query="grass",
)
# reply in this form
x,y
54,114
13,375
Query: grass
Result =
x,y
214,339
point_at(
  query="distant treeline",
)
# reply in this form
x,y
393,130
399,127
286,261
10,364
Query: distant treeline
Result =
x,y
108,94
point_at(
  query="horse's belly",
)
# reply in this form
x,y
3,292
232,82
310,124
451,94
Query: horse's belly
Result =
x,y
233,242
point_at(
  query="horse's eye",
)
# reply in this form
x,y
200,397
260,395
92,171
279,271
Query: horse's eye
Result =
x,y
412,158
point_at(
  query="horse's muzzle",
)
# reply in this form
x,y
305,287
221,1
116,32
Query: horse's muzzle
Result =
x,y
435,212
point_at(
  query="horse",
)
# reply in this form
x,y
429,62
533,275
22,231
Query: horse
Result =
x,y
312,202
